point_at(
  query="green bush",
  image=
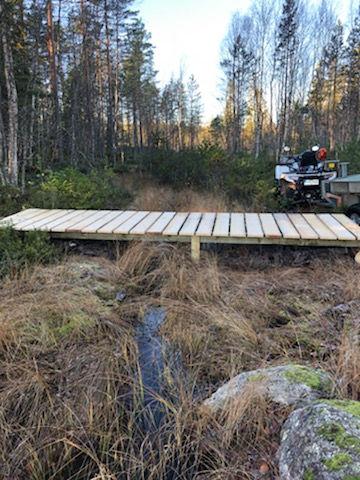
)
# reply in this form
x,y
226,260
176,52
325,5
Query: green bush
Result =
x,y
351,153
70,188
19,251
11,200
241,177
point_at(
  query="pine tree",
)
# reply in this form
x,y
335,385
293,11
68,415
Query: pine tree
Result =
x,y
286,66
352,106
194,110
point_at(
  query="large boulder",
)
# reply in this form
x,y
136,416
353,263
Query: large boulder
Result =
x,y
321,442
286,385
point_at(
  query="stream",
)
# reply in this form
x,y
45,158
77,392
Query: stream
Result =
x,y
151,360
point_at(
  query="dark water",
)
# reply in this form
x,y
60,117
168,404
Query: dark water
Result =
x,y
151,365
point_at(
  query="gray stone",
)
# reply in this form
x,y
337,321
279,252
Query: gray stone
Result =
x,y
120,296
286,385
321,442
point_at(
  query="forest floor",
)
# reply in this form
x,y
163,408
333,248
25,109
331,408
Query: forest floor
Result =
x,y
72,403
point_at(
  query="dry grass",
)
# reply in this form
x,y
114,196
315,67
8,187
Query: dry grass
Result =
x,y
70,397
160,198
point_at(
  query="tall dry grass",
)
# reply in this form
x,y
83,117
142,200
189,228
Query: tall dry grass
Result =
x,y
71,402
161,198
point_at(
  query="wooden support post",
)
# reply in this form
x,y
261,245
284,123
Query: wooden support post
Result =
x,y
195,248
357,258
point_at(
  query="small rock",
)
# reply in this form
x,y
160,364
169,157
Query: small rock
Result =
x,y
120,296
286,385
264,468
321,442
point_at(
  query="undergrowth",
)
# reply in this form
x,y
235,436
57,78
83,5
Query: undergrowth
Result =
x,y
20,251
70,395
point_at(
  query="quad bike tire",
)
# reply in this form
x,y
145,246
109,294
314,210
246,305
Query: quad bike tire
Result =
x,y
353,212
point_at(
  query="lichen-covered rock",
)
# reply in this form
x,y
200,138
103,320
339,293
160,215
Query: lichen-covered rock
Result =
x,y
286,385
321,442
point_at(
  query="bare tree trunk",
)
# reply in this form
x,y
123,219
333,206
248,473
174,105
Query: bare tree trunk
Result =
x,y
13,112
110,119
51,48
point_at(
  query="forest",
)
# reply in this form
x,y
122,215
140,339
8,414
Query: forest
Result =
x,y
124,355
78,88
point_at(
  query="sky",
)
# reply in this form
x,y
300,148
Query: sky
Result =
x,y
188,34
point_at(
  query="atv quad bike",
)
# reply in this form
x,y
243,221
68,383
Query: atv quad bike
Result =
x,y
299,177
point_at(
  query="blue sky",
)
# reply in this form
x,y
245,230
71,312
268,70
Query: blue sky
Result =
x,y
189,33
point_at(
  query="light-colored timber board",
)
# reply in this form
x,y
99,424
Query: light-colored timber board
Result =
x,y
104,220
253,226
175,224
269,225
305,230
222,225
320,228
109,227
161,223
206,225
348,224
190,225
336,227
40,222
127,226
19,217
237,225
147,222
286,227
264,228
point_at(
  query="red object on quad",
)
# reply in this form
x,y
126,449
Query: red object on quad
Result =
x,y
322,154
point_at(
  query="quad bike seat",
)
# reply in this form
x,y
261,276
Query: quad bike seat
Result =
x,y
308,159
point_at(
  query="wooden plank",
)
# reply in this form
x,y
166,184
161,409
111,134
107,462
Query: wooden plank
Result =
x,y
42,223
141,228
253,226
161,223
176,223
86,220
222,225
206,225
269,226
348,224
286,227
45,215
113,224
302,226
21,216
107,218
340,231
56,225
70,220
190,225
320,228
125,227
237,225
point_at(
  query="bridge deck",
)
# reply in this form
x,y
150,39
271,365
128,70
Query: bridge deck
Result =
x,y
247,228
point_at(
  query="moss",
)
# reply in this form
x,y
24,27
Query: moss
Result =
x,y
309,474
257,377
348,406
337,461
75,323
335,433
307,376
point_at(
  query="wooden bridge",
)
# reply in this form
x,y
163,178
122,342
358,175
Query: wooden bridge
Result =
x,y
308,229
